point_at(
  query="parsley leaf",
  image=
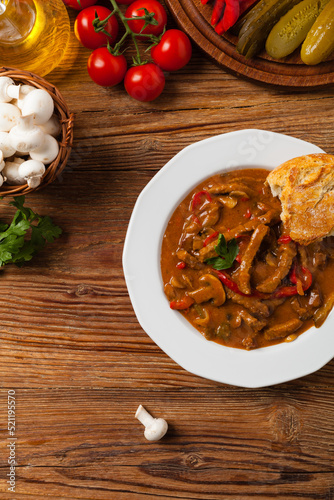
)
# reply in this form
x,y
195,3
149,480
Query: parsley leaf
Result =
x,y
226,252
26,235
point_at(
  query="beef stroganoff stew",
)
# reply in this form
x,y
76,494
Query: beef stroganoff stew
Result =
x,y
230,268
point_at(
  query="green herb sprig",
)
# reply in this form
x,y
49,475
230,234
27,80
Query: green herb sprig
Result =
x,y
26,235
226,252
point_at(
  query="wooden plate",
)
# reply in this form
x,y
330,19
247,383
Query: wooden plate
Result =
x,y
194,19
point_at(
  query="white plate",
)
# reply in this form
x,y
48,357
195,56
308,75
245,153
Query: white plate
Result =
x,y
141,263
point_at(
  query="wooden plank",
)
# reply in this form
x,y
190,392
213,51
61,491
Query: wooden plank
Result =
x,y
87,444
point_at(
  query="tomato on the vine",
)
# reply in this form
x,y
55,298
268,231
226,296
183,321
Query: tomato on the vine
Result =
x,y
79,4
145,82
137,9
85,32
106,69
173,51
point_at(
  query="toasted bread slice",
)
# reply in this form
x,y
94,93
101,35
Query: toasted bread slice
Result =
x,y
305,186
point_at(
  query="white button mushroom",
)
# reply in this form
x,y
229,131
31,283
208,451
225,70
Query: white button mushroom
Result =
x,y
32,172
2,162
52,126
47,152
8,89
9,116
5,145
26,136
24,91
40,104
155,428
11,173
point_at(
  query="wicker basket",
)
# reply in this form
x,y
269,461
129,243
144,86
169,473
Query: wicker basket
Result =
x,y
65,138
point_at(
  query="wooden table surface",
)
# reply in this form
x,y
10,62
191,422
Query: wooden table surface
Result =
x,y
75,354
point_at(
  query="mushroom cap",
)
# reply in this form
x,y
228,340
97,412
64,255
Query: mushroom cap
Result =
x,y
31,168
25,139
9,116
156,429
52,126
32,172
5,81
5,145
40,104
11,173
47,152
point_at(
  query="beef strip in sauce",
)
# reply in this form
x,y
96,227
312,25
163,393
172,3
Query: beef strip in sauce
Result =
x,y
271,292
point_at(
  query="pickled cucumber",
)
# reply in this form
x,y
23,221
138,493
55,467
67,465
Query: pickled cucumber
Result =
x,y
292,29
319,42
259,22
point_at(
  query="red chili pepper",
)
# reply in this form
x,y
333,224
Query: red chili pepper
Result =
x,y
209,238
308,278
242,236
288,291
230,17
305,276
226,280
248,214
285,291
197,198
284,239
238,258
203,2
217,12
181,265
244,198
182,303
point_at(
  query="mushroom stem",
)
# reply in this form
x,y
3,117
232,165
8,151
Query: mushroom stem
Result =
x,y
143,416
13,91
155,428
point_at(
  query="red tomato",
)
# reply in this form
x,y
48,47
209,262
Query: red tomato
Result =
x,y
106,69
79,4
84,29
144,83
125,2
173,51
137,9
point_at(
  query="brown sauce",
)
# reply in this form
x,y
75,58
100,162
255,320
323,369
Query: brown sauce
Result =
x,y
271,289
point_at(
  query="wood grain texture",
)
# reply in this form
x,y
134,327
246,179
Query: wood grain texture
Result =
x,y
73,350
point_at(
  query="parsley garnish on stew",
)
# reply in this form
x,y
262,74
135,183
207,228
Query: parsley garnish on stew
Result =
x,y
226,252
26,235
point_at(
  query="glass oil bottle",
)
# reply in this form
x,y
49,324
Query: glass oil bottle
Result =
x,y
34,34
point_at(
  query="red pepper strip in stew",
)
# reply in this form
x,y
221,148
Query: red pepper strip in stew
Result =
x,y
284,239
288,291
226,280
182,304
230,17
217,11
209,238
305,276
181,265
197,198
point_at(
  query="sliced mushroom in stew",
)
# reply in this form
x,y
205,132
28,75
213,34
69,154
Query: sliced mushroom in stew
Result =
x,y
230,269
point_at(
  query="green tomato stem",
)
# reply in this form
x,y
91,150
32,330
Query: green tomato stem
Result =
x,y
148,18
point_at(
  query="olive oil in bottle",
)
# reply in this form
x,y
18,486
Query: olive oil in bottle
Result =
x,y
33,34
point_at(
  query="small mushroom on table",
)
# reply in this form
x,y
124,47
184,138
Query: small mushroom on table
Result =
x,y
155,428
